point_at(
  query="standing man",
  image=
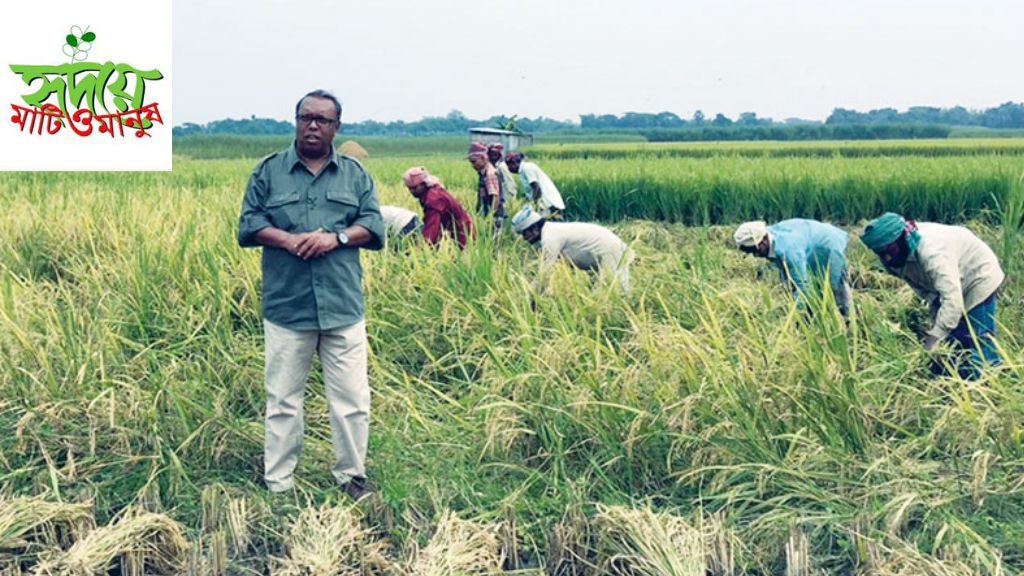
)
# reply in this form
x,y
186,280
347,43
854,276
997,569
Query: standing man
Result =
x,y
586,246
806,252
954,271
441,211
537,186
508,181
311,209
489,195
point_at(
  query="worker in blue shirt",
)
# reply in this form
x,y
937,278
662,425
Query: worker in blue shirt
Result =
x,y
806,252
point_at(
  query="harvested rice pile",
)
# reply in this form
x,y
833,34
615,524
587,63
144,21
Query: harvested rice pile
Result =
x,y
329,541
142,542
458,547
28,526
641,542
353,149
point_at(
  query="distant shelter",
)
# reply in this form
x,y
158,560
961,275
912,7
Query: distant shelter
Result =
x,y
509,139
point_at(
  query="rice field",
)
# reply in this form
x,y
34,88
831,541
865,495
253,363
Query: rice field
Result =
x,y
815,149
694,426
727,189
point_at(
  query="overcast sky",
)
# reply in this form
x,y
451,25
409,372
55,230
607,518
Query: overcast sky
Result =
x,y
402,60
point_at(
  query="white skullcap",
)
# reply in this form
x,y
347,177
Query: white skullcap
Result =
x,y
524,219
750,234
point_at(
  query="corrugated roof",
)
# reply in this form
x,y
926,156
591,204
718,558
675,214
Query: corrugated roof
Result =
x,y
496,131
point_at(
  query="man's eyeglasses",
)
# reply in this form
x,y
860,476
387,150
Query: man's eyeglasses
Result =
x,y
307,119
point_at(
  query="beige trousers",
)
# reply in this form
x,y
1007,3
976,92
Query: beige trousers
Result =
x,y
289,355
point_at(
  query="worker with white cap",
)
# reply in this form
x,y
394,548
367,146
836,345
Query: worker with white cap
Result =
x,y
398,222
806,252
586,246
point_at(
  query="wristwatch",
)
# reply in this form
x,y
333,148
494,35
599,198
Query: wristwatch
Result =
x,y
343,238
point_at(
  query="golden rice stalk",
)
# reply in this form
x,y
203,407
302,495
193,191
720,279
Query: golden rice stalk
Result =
x,y
212,499
640,542
900,558
239,518
867,552
459,548
145,540
509,540
570,546
720,546
329,541
980,464
29,525
898,512
798,553
217,555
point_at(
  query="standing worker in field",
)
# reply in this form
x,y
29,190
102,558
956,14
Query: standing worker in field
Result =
x,y
508,180
586,246
806,252
442,213
311,209
538,188
954,271
489,195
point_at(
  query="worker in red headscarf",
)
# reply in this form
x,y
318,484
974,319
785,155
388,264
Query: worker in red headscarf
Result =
x,y
488,195
495,155
442,213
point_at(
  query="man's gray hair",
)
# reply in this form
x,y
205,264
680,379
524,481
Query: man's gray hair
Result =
x,y
321,94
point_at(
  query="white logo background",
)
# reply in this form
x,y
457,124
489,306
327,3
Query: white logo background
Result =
x,y
137,34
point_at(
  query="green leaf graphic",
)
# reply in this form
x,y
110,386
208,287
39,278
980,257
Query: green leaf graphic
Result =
x,y
72,41
89,36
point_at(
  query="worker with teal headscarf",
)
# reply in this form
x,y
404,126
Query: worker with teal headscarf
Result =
x,y
954,271
806,252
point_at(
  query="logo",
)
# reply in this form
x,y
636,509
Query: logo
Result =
x,y
85,95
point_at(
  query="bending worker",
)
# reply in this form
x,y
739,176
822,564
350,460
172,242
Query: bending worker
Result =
x,y
806,252
954,271
587,246
398,222
537,186
442,213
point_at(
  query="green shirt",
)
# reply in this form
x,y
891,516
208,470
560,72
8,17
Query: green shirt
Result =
x,y
320,293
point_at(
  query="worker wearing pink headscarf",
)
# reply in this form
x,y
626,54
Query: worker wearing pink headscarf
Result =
x,y
442,213
488,194
495,154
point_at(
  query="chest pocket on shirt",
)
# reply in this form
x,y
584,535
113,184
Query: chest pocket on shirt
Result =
x,y
344,208
283,210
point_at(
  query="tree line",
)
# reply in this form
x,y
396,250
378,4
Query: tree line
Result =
x,y
917,121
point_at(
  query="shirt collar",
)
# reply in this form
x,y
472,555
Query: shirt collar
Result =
x,y
292,159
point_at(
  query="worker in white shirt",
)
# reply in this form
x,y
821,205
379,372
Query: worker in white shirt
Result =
x,y
954,271
586,246
399,225
537,186
398,221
